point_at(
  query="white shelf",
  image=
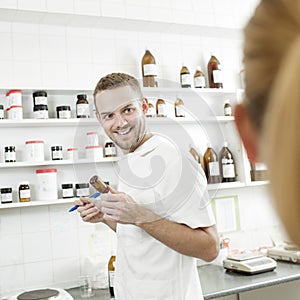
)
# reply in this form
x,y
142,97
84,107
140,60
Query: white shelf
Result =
x,y
36,203
258,183
225,185
56,162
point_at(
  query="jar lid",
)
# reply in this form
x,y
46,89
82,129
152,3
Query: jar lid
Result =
x,y
13,92
82,97
14,106
34,142
82,185
56,148
93,147
63,107
40,171
40,107
72,149
39,94
6,190
67,185
10,147
91,132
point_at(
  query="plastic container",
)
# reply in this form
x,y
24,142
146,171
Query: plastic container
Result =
x,y
40,111
15,112
92,138
94,152
6,195
46,184
14,98
72,153
110,149
34,150
67,190
1,111
10,154
56,153
82,189
63,112
40,98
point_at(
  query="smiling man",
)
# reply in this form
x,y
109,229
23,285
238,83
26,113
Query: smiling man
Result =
x,y
161,211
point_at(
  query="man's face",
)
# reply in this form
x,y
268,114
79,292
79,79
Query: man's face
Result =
x,y
121,112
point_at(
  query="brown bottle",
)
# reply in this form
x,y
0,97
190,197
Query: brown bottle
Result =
x,y
161,108
227,164
82,106
179,108
185,77
214,73
199,78
111,275
198,157
212,170
149,70
151,112
227,108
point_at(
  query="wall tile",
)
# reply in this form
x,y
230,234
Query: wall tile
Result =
x,y
9,4
53,48
11,247
137,12
37,246
80,75
103,51
57,6
87,7
12,279
114,8
33,216
52,30
38,274
66,272
10,221
79,49
26,47
39,5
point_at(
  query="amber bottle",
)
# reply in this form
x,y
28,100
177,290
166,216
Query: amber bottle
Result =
x,y
161,108
199,78
211,163
214,73
179,108
185,77
227,164
149,70
111,275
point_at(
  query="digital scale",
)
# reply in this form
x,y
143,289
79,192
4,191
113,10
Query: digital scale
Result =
x,y
285,252
249,263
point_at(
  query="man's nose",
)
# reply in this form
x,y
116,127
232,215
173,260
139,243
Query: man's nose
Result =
x,y
120,121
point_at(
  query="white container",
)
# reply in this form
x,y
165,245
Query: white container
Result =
x,y
34,150
72,154
94,152
14,98
46,184
15,112
92,138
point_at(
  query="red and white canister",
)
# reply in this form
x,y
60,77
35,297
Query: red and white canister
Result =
x,y
34,150
46,184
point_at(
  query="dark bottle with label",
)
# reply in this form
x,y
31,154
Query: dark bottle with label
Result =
x,y
24,192
214,73
111,275
227,164
211,163
82,106
185,77
149,70
199,78
179,108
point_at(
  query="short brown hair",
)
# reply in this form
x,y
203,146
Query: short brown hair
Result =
x,y
115,80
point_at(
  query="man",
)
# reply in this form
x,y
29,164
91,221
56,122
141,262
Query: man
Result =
x,y
161,215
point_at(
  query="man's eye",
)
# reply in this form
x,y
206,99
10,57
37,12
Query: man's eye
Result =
x,y
128,110
108,116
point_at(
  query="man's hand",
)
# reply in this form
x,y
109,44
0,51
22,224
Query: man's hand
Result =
x,y
88,210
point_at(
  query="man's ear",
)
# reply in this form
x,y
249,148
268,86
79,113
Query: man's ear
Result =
x,y
98,117
145,105
246,131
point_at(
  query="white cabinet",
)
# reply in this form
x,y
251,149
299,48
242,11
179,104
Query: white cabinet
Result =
x,y
204,121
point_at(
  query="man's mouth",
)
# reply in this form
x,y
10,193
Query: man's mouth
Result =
x,y
124,131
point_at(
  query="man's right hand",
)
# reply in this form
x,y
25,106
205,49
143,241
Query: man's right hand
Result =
x,y
88,210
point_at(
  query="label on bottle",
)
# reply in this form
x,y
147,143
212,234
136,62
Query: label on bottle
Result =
x,y
227,111
41,114
6,198
199,82
83,109
214,168
151,112
10,156
24,194
64,114
217,76
161,109
82,192
228,171
111,275
67,193
40,100
179,111
186,79
57,154
150,70
110,151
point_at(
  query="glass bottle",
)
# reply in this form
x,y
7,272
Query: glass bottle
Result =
x,y
110,149
227,164
212,170
111,274
185,77
199,78
149,70
161,108
82,106
151,112
179,107
24,192
227,108
214,73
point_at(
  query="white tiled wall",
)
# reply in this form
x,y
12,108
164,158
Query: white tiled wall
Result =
x,y
50,49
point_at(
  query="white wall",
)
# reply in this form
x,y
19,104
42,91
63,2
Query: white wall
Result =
x,y
70,45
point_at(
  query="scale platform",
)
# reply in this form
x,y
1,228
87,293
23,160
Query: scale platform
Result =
x,y
249,263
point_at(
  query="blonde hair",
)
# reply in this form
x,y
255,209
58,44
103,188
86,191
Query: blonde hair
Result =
x,y
272,74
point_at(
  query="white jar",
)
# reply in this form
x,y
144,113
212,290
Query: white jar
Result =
x,y
94,152
72,153
34,151
15,112
92,138
14,98
46,184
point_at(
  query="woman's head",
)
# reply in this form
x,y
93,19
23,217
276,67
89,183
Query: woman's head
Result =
x,y
269,120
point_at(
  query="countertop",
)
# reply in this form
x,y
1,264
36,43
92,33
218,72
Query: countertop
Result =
x,y
216,282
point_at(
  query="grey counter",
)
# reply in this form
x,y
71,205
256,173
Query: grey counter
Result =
x,y
216,282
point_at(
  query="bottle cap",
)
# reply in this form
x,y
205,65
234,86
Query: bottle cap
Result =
x,y
199,68
208,145
225,144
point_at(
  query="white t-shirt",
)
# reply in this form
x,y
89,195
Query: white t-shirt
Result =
x,y
163,180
